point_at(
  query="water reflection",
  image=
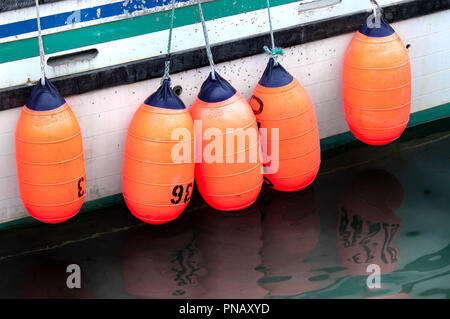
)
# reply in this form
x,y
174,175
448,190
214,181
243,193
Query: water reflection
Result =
x,y
230,245
162,261
290,231
367,223
205,255
273,249
46,278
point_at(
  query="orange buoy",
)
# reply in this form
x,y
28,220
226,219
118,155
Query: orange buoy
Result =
x,y
157,187
228,177
280,102
49,156
377,84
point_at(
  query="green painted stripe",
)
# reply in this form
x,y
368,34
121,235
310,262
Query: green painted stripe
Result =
x,y
429,115
336,140
27,48
87,207
435,113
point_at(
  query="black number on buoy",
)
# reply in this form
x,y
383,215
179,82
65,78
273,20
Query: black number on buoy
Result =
x,y
261,105
80,188
178,193
187,198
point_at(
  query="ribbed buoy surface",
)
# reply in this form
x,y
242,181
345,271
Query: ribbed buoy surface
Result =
x,y
156,186
49,157
280,102
377,85
232,179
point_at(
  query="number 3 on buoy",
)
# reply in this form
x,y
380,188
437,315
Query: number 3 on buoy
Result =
x,y
81,191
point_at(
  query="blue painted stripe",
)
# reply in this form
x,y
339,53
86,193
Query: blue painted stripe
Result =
x,y
83,15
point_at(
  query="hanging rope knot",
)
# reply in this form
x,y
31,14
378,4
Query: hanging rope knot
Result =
x,y
274,53
377,10
166,71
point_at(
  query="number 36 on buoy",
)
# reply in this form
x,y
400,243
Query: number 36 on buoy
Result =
x,y
156,188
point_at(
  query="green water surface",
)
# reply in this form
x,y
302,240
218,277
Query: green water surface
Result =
x,y
388,206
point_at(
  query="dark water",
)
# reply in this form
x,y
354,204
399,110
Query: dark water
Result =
x,y
388,206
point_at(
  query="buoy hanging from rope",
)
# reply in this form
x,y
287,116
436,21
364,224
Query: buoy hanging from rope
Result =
x,y
377,82
158,169
280,102
49,152
232,179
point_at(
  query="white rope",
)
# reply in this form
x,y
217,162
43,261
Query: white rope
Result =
x,y
270,24
169,45
376,9
274,51
208,46
41,44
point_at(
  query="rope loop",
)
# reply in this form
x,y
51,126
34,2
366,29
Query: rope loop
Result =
x,y
377,10
166,71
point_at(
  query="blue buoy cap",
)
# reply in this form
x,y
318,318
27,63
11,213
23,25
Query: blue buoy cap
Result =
x,y
376,29
45,98
218,90
165,97
275,76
